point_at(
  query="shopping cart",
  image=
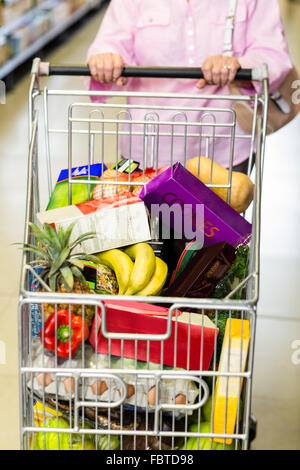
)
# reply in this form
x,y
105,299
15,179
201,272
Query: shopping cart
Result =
x,y
162,423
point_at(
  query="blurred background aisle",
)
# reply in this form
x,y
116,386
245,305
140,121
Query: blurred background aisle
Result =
x,y
276,388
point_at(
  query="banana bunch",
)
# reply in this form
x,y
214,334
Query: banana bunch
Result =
x,y
137,269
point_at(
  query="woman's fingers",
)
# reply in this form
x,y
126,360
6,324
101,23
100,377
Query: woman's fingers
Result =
x,y
235,66
96,67
107,68
207,70
92,66
225,71
201,83
118,66
122,81
218,70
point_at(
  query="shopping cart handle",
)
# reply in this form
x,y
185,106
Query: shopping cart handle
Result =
x,y
45,68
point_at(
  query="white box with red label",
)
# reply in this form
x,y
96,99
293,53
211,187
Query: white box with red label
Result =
x,y
117,221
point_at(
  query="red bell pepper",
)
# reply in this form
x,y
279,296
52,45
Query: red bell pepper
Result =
x,y
65,334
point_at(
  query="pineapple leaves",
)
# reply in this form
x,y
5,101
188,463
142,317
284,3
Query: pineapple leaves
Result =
x,y
67,276
39,234
82,238
77,262
53,282
59,261
68,233
61,235
52,236
37,251
84,257
53,253
77,273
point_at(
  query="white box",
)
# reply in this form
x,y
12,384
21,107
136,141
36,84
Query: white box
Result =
x,y
115,225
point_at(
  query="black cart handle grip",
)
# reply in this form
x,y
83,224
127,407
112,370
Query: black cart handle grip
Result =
x,y
47,69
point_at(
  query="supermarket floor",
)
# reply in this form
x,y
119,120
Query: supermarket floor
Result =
x,y
276,388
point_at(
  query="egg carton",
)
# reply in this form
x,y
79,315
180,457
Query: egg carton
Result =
x,y
140,388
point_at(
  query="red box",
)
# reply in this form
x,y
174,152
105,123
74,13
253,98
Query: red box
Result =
x,y
196,334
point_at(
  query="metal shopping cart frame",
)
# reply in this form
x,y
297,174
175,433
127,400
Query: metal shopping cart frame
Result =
x,y
246,308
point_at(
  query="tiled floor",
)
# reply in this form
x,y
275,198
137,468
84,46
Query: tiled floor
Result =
x,y
276,388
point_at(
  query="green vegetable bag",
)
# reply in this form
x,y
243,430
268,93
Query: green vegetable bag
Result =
x,y
66,441
205,443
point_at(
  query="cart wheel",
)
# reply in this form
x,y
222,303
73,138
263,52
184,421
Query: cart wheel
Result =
x,y
253,429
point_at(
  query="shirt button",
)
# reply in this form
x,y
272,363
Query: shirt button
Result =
x,y
190,19
191,61
190,32
191,47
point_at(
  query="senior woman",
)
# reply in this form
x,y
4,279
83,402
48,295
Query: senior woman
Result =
x,y
188,33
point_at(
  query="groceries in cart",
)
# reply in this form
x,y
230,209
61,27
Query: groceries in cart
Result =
x,y
192,334
103,244
65,441
140,391
179,188
211,173
80,192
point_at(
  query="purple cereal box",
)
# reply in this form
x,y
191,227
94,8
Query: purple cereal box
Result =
x,y
176,185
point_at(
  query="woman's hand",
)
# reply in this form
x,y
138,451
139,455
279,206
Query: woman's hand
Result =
x,y
218,70
107,68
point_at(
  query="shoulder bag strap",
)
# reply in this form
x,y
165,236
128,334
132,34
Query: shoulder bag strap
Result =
x,y
229,27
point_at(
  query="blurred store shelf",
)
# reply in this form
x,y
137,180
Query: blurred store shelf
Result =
x,y
25,35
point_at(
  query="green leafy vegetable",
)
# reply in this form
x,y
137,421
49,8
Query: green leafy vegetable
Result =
x,y
235,275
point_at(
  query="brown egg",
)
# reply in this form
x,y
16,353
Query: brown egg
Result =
x,y
130,391
99,387
44,379
180,399
151,396
69,384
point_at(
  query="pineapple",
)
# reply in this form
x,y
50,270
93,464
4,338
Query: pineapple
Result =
x,y
62,269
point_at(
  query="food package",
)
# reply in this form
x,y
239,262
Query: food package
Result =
x,y
227,392
41,412
124,170
80,192
109,190
100,278
194,345
177,186
204,271
149,175
118,221
140,389
126,165
177,253
35,309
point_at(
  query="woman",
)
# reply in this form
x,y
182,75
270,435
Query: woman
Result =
x,y
188,33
